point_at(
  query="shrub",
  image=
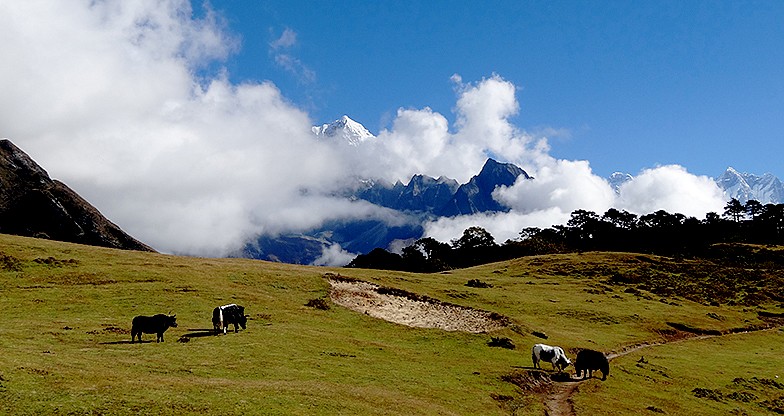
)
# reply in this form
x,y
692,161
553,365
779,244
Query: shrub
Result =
x,y
478,283
318,304
502,342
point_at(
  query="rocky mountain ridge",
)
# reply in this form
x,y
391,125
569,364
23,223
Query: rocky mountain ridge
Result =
x,y
34,205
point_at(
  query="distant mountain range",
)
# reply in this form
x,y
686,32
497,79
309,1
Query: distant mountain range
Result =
x,y
424,198
767,189
33,204
444,197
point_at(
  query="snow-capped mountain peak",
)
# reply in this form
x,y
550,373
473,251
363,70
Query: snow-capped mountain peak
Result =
x,y
744,186
617,179
344,128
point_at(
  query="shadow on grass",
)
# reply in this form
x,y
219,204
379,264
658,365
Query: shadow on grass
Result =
x,y
198,333
192,333
555,376
128,342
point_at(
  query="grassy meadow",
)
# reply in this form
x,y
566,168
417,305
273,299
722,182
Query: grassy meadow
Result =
x,y
67,310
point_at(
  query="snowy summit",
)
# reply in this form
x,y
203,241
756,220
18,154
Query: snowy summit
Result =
x,y
349,130
766,189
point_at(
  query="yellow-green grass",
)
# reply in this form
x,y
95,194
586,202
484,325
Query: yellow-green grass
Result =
x,y
67,310
736,374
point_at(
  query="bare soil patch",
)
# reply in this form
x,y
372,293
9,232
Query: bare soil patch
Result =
x,y
405,308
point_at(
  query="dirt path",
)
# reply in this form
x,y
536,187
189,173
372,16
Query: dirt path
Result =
x,y
558,400
418,311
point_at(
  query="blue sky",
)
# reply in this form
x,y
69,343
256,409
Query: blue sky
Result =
x,y
628,85
189,123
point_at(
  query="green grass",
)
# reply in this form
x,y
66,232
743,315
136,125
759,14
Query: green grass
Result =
x,y
736,374
67,310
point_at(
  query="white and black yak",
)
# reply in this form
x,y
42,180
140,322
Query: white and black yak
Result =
x,y
231,314
554,355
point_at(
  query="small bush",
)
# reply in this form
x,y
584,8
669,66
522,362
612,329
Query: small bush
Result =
x,y
478,283
10,263
774,405
502,342
318,304
710,394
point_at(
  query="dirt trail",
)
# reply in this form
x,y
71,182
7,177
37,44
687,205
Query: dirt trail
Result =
x,y
412,310
558,401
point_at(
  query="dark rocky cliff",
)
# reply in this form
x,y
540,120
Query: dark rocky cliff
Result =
x,y
34,205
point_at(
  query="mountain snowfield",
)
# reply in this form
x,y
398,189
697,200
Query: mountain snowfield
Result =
x,y
345,129
767,189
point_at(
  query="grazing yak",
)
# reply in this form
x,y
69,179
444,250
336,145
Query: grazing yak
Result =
x,y
157,324
226,315
554,355
589,360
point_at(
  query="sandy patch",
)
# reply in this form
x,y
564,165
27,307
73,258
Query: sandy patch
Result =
x,y
411,310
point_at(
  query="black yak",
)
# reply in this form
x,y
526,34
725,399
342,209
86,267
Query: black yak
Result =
x,y
157,324
589,360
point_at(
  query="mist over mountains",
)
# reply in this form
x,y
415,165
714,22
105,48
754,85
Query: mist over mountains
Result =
x,y
766,189
411,205
387,215
426,200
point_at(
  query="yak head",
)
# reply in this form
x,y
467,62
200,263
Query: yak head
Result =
x,y
563,362
171,320
242,318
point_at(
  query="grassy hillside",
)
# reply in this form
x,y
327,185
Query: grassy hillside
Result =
x,y
67,309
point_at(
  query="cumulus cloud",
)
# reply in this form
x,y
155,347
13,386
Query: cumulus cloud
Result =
x,y
421,141
565,184
105,96
109,96
673,189
334,255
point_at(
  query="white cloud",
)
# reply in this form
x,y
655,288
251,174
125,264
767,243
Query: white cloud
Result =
x,y
291,64
565,184
287,39
105,96
334,255
503,226
673,189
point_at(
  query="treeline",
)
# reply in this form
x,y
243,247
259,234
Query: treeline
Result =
x,y
661,233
